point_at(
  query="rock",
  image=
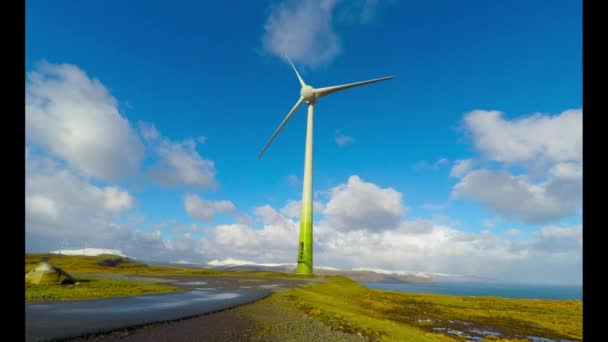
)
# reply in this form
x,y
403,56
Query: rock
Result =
x,y
47,274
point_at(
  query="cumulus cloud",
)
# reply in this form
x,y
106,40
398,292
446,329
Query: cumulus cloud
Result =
x,y
343,140
361,205
548,146
179,163
513,232
306,29
293,208
567,170
60,204
549,256
76,118
516,198
461,167
62,208
554,138
552,239
205,210
275,242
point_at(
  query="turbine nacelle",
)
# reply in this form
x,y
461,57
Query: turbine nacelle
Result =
x,y
308,94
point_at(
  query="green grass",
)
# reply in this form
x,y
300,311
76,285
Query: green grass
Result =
x,y
90,289
94,264
392,316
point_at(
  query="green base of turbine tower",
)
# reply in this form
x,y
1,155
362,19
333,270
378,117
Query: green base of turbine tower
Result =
x,y
305,243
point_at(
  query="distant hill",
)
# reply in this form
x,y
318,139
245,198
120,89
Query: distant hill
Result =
x,y
90,252
356,275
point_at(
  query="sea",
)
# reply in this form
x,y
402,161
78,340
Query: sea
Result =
x,y
531,291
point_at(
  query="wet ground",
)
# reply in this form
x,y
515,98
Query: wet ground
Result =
x,y
201,295
471,332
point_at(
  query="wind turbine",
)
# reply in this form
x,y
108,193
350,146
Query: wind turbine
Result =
x,y
309,95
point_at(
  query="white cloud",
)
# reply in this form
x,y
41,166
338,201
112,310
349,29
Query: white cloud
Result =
x,y
551,255
343,140
554,138
516,198
205,210
549,147
418,246
304,30
62,205
88,252
567,170
42,206
293,208
62,208
116,199
461,167
513,232
362,205
76,118
179,162
553,239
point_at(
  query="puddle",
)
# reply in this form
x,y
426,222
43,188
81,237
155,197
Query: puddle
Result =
x,y
544,339
193,283
271,286
448,331
479,335
429,320
205,288
469,335
485,332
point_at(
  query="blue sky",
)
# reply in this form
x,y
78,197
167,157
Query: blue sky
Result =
x,y
191,70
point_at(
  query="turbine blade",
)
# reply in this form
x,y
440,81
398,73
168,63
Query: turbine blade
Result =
x,y
328,90
291,113
294,69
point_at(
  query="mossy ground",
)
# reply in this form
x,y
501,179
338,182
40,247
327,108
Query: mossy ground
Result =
x,y
385,315
91,289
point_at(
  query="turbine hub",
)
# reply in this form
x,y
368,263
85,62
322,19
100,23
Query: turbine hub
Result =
x,y
308,94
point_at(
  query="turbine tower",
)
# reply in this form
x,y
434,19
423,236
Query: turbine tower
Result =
x,y
309,95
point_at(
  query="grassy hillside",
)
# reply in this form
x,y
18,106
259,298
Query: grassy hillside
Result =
x,y
394,316
108,264
91,288
116,264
